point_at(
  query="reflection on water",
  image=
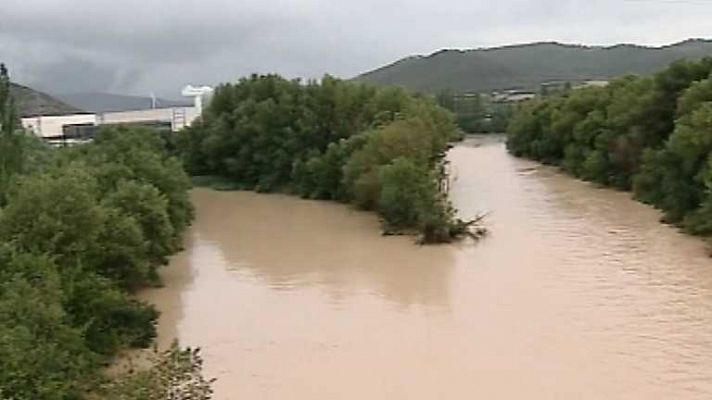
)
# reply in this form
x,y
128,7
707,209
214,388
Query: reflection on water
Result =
x,y
578,293
291,243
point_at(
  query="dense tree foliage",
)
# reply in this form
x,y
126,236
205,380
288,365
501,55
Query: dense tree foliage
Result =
x,y
11,141
331,140
649,134
81,228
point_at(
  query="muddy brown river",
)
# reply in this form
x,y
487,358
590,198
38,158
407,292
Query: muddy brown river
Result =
x,y
578,293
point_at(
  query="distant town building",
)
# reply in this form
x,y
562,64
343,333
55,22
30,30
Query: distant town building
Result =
x,y
55,127
592,83
512,96
558,86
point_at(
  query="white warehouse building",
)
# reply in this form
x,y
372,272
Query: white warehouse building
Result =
x,y
82,126
51,126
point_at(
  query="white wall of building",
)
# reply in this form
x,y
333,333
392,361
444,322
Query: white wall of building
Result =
x,y
178,117
48,126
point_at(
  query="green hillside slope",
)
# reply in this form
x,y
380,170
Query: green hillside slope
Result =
x,y
30,102
529,65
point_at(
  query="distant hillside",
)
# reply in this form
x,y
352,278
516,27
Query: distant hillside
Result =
x,y
529,65
103,102
30,102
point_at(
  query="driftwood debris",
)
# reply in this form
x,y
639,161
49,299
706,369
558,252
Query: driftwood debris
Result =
x,y
455,231
471,228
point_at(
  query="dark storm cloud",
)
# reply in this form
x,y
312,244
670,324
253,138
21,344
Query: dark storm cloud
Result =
x,y
160,38
73,75
141,46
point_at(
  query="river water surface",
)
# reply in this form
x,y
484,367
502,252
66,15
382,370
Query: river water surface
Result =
x,y
578,293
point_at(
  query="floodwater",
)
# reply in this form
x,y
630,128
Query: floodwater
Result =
x,y
578,293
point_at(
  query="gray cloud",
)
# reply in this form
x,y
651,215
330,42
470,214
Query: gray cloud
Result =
x,y
72,74
138,46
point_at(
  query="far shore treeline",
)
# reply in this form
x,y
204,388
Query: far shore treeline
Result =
x,y
381,149
648,134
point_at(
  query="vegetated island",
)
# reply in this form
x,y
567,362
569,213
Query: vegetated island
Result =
x,y
380,149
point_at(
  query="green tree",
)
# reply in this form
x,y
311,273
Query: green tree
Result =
x,y
407,188
146,204
54,213
699,222
41,356
138,154
11,154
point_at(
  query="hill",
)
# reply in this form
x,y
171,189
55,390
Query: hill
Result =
x,y
527,66
104,102
30,102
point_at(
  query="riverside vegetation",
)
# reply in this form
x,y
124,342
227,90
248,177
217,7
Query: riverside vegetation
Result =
x,y
648,134
80,230
381,149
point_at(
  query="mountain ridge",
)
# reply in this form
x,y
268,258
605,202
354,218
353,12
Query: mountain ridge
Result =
x,y
527,65
30,102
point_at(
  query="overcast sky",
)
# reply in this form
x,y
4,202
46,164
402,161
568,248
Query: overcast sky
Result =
x,y
139,46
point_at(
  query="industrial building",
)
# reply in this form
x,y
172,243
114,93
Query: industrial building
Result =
x,y
81,127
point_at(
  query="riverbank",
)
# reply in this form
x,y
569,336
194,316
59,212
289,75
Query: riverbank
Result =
x,y
646,134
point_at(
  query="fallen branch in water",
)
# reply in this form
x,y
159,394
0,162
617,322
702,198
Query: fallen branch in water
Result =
x,y
458,229
471,228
